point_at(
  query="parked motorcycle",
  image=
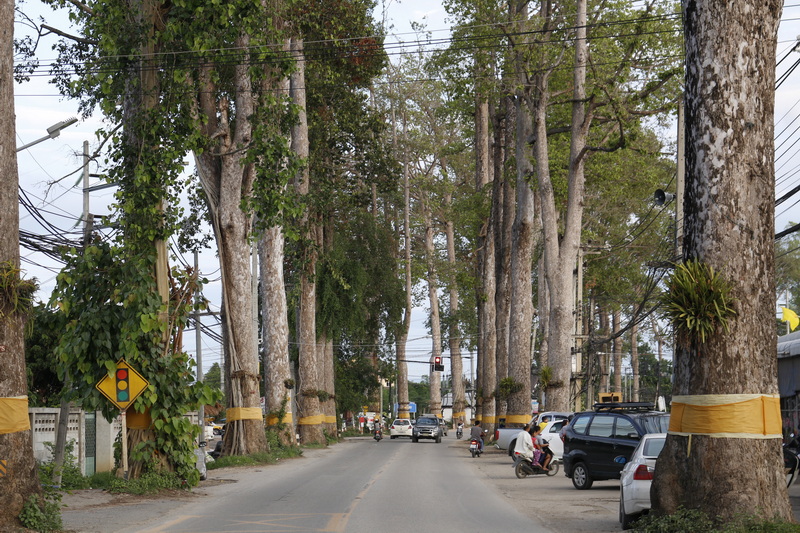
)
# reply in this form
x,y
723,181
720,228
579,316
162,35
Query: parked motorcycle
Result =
x,y
524,467
460,431
377,435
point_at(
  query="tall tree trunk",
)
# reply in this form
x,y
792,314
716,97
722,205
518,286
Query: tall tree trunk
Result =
x,y
454,336
502,239
402,365
519,365
227,179
617,351
310,376
544,322
561,248
433,300
326,353
278,382
729,226
487,349
635,363
21,478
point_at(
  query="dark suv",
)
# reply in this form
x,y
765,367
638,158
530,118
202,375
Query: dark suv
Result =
x,y
594,438
427,427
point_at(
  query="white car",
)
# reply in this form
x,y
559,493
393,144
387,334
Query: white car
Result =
x,y
401,427
636,478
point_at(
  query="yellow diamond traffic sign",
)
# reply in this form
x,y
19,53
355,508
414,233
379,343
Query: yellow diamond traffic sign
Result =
x,y
123,386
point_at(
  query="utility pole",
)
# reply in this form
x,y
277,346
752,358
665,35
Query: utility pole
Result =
x,y
198,340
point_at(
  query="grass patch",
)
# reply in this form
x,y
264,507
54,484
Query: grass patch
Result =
x,y
255,459
696,521
148,483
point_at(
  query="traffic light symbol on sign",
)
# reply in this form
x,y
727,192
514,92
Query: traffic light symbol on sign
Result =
x,y
122,385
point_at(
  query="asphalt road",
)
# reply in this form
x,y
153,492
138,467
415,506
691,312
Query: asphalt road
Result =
x,y
360,486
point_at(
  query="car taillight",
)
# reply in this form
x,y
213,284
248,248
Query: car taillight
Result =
x,y
392,427
642,473
496,434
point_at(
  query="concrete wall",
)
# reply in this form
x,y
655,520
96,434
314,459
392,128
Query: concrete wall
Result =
x,y
44,422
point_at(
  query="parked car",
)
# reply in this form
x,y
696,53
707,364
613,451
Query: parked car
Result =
x,y
218,427
551,433
427,427
593,439
401,427
636,478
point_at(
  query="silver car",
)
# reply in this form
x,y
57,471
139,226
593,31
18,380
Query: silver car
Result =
x,y
636,478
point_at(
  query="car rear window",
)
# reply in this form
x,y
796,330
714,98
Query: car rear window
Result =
x,y
654,423
653,447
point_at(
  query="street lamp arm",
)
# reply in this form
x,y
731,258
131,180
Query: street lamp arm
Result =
x,y
52,132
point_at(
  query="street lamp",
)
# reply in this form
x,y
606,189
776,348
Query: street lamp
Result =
x,y
52,132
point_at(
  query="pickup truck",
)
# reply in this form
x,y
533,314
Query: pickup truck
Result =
x,y
505,438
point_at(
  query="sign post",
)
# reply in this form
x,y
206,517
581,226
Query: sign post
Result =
x,y
122,388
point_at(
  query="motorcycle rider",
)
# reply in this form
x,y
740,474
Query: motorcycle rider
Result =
x,y
524,446
540,444
460,429
476,432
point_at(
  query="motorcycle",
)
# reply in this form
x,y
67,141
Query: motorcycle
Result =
x,y
377,435
791,459
460,431
475,448
524,467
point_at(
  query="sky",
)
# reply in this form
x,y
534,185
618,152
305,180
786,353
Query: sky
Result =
x,y
49,172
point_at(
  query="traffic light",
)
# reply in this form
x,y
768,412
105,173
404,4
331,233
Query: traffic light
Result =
x,y
438,365
123,392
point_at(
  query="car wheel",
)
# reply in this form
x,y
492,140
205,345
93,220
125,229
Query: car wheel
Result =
x,y
438,439
626,520
393,436
413,439
581,478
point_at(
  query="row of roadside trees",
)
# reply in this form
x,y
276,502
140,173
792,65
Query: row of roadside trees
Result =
x,y
486,170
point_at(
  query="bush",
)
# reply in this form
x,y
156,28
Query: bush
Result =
x,y
71,477
44,515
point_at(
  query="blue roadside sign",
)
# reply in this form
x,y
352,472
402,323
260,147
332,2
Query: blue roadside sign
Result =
x,y
412,407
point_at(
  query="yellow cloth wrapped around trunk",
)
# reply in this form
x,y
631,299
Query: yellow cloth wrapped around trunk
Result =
x,y
14,415
743,416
